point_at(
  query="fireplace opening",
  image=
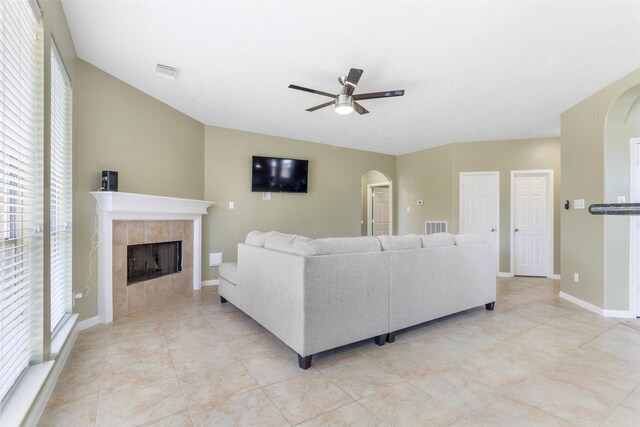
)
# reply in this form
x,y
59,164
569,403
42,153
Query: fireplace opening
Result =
x,y
151,260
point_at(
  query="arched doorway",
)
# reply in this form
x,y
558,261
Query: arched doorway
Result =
x,y
376,204
622,177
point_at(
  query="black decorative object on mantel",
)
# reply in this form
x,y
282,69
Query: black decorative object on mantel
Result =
x,y
615,209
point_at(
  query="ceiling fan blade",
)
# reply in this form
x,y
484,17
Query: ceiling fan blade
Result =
x,y
373,95
318,92
359,108
317,107
352,81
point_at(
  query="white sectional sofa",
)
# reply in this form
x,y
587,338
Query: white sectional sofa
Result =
x,y
319,294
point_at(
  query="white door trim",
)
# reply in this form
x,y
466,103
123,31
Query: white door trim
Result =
x,y
460,212
370,188
550,218
634,193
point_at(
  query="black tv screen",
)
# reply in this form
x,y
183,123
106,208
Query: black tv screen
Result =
x,y
279,175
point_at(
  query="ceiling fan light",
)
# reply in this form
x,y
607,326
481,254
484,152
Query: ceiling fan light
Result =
x,y
344,104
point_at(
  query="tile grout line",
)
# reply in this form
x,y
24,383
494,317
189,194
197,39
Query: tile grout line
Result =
x,y
104,364
620,404
175,371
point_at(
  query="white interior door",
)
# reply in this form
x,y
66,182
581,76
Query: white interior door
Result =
x,y
635,241
530,224
380,211
479,206
634,261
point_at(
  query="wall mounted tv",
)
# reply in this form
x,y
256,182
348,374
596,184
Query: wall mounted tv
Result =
x,y
279,175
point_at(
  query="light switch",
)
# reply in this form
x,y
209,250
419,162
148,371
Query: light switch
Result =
x,y
232,205
578,204
408,209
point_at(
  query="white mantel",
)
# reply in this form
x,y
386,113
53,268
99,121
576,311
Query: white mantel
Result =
x,y
116,206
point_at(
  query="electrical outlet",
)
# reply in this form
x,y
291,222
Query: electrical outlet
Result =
x,y
576,277
232,205
215,259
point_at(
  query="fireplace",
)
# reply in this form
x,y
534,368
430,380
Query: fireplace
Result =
x,y
152,260
130,219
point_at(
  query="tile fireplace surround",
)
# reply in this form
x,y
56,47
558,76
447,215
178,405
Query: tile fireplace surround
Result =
x,y
129,298
126,218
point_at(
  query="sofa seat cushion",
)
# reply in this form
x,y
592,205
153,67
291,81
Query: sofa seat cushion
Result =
x,y
469,239
255,238
400,243
338,245
229,272
284,242
437,240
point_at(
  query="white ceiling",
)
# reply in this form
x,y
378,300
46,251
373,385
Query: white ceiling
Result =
x,y
472,71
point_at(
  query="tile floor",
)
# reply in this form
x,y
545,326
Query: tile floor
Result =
x,y
535,360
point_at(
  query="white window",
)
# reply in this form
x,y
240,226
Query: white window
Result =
x,y
20,190
61,191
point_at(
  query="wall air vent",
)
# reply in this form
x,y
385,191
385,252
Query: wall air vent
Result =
x,y
433,227
169,72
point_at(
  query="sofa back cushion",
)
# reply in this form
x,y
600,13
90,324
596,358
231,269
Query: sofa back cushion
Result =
x,y
284,242
255,238
469,239
400,243
437,240
338,245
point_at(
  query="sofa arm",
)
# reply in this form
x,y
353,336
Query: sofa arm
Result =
x,y
270,291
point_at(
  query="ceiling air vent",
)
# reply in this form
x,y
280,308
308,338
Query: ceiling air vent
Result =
x,y
166,71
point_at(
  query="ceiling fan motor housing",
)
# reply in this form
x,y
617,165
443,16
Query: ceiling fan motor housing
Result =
x,y
344,104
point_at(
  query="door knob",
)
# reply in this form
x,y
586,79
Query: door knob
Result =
x,y
516,229
493,229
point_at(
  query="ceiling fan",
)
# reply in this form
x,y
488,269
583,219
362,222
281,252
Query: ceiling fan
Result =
x,y
345,101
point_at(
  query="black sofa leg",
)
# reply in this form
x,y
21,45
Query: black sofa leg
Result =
x,y
304,361
223,300
490,305
379,340
391,337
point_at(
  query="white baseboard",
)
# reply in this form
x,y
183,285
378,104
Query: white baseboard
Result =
x,y
87,323
554,277
624,314
214,282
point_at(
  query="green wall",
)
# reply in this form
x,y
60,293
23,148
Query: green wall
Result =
x,y
154,148
432,175
595,167
332,206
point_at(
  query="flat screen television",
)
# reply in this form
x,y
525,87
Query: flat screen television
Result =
x,y
278,175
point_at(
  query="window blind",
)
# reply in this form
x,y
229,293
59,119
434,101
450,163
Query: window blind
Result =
x,y
61,190
19,179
